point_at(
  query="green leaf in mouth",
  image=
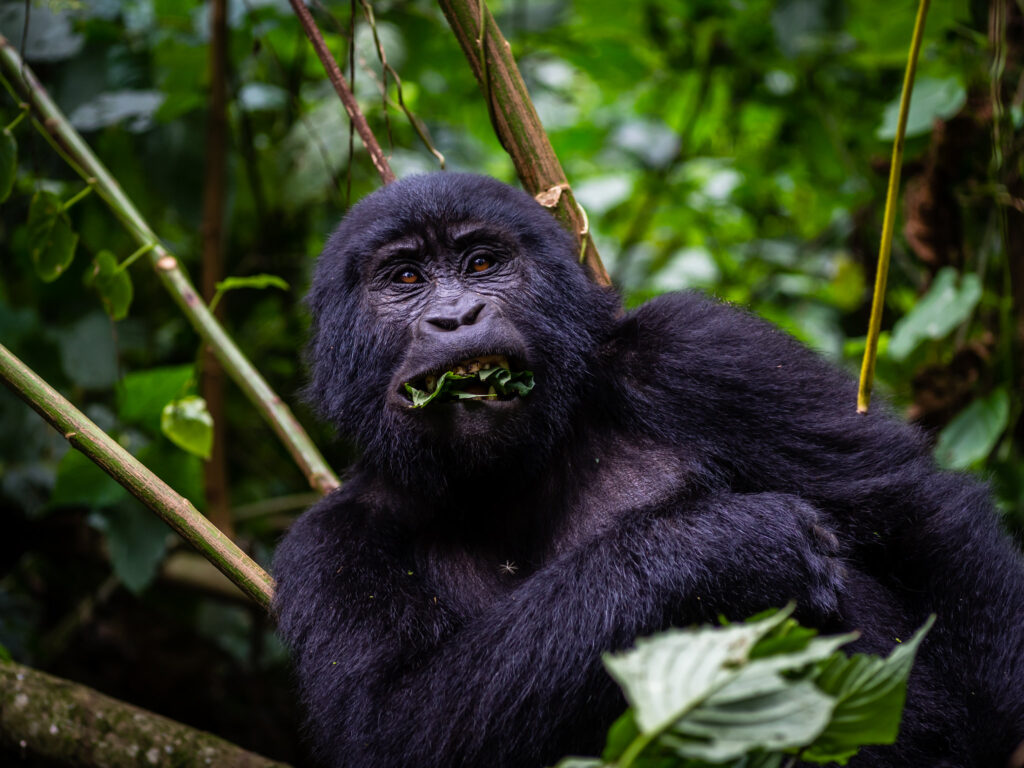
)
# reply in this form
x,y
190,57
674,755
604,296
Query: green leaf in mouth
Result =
x,y
456,386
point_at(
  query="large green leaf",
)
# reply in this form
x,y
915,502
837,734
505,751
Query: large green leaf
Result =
x,y
757,710
748,694
8,162
971,436
188,424
52,242
869,693
938,312
113,284
668,675
761,706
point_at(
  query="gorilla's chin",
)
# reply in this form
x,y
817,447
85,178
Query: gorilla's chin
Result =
x,y
447,449
484,429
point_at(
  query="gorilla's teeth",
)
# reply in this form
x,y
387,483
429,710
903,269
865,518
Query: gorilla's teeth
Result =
x,y
431,382
483,363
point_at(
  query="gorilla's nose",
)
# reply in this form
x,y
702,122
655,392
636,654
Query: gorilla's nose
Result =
x,y
469,310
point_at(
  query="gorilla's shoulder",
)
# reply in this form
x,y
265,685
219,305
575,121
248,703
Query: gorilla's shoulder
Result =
x,y
688,348
689,326
343,513
321,524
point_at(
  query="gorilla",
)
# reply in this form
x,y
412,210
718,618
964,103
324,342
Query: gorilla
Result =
x,y
449,605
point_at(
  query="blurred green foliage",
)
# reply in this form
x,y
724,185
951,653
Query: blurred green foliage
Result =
x,y
740,148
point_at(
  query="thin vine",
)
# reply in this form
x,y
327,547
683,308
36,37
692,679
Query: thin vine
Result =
x,y
867,370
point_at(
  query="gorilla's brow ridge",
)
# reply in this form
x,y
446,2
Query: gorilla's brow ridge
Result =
x,y
411,246
407,247
468,232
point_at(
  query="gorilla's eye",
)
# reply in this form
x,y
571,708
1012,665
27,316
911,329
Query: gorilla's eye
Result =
x,y
408,276
480,263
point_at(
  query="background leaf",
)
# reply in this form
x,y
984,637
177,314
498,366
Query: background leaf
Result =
x,y
943,308
188,424
970,437
142,395
81,483
931,99
114,285
88,352
137,541
52,241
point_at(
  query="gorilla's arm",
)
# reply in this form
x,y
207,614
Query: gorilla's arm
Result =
x,y
391,677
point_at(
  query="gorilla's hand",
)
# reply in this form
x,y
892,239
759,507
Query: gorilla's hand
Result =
x,y
752,551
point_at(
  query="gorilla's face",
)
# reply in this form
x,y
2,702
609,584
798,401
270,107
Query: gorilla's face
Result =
x,y
442,272
450,288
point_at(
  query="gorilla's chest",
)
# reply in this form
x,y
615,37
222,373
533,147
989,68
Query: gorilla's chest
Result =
x,y
621,479
483,551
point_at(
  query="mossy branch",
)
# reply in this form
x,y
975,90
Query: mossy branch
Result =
x,y
58,130
867,369
516,121
44,719
172,508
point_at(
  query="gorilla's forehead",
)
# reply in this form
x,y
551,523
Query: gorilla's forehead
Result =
x,y
423,238
429,214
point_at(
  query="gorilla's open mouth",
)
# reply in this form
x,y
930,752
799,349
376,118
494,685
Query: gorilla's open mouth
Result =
x,y
480,377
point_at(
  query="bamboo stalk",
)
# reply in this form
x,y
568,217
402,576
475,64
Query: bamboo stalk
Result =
x,y
172,508
867,369
516,121
76,152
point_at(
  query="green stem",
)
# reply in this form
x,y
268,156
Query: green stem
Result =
x,y
14,123
79,196
65,139
142,249
216,298
387,69
316,39
172,508
635,749
867,370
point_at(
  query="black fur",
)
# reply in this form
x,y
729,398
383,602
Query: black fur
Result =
x,y
448,606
